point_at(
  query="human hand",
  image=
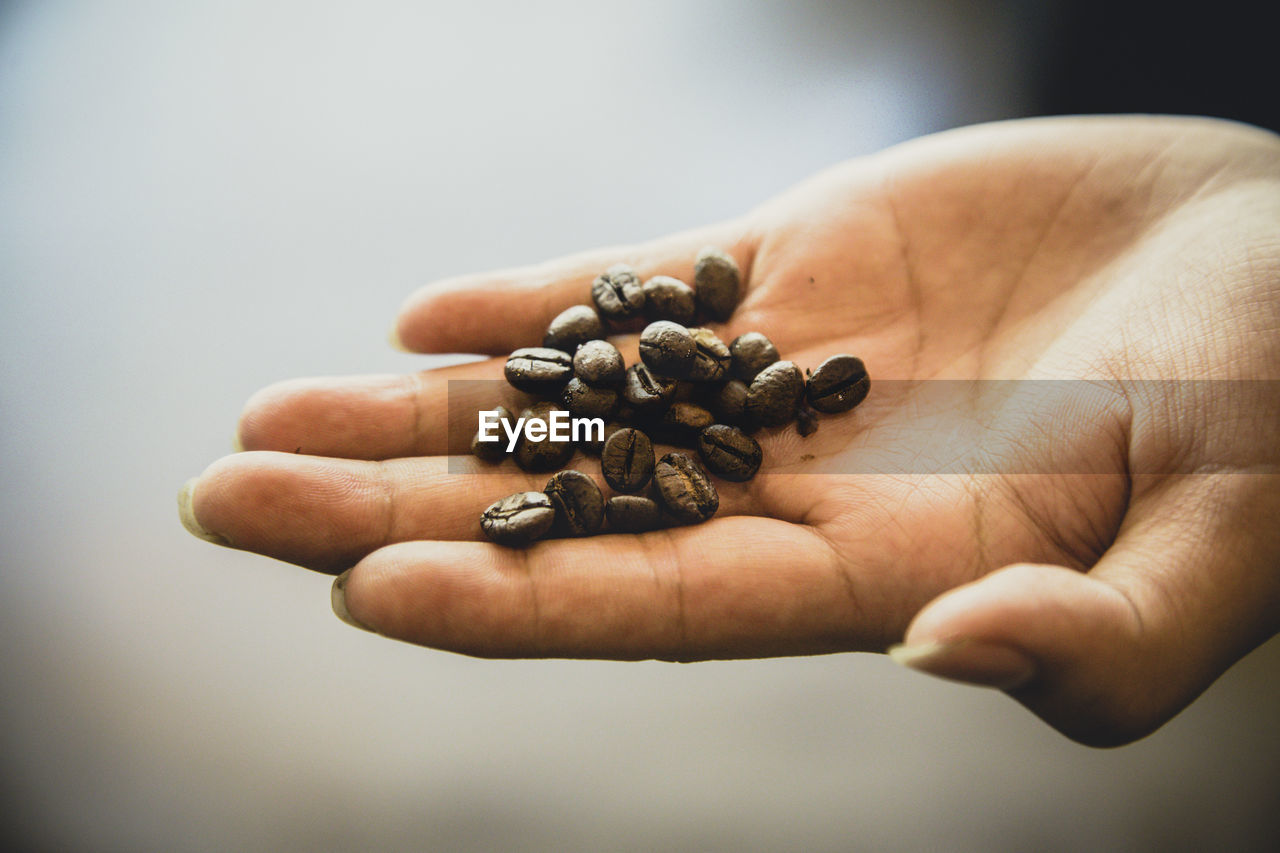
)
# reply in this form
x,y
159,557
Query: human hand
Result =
x,y
1103,558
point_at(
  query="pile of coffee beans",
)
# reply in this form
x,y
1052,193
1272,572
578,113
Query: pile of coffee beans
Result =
x,y
688,390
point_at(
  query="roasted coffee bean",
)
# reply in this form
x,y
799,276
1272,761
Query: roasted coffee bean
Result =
x,y
752,353
729,403
716,281
541,456
729,452
772,397
538,455
539,370
684,488
590,444
541,410
599,363
632,514
627,460
667,298
667,349
682,423
494,451
578,503
688,391
585,401
645,392
839,384
517,520
573,327
806,420
710,357
489,451
618,294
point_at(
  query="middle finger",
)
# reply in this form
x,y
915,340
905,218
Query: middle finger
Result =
x,y
327,514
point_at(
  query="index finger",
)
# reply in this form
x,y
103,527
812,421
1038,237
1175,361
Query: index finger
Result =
x,y
495,312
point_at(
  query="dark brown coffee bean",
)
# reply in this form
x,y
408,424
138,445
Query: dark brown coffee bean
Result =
x,y
489,451
584,401
839,384
496,450
573,327
716,282
682,423
598,363
618,294
710,357
729,452
538,455
772,397
645,392
667,349
590,444
688,391
632,514
667,298
517,520
542,411
684,488
729,403
539,370
627,460
752,353
578,503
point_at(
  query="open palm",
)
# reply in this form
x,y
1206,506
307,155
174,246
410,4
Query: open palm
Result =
x,y
1101,548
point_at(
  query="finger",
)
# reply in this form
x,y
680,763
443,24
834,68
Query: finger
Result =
x,y
385,416
429,413
326,514
500,311
732,587
1106,657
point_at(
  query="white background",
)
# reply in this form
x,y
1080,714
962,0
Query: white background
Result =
x,y
198,199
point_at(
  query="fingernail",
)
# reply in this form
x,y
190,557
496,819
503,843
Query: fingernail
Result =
x,y
237,446
338,601
970,661
393,338
189,518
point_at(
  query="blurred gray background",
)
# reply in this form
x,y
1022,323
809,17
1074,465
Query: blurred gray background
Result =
x,y
200,198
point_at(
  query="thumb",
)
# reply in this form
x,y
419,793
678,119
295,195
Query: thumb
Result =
x,y
1108,656
1057,639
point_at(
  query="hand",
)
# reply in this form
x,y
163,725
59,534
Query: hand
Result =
x,y
1103,560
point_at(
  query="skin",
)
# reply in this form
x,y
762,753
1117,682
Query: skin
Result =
x,y
1104,560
